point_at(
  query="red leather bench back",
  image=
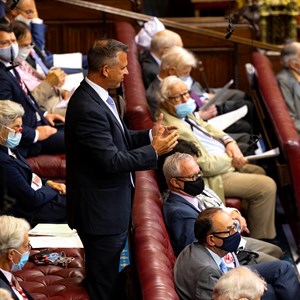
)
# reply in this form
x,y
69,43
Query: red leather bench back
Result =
x,y
154,254
137,110
286,133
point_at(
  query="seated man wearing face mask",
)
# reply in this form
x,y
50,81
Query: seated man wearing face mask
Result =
x,y
44,87
225,170
187,197
201,264
14,254
35,199
39,134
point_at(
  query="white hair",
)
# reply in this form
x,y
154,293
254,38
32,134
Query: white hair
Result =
x,y
178,58
239,283
10,111
164,91
12,233
5,294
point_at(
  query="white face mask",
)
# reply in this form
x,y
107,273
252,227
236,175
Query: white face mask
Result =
x,y
23,19
23,54
9,54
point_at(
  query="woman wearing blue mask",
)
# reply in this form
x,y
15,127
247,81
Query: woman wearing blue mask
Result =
x,y
35,199
14,253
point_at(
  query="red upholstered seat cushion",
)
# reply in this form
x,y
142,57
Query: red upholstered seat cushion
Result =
x,y
49,166
55,282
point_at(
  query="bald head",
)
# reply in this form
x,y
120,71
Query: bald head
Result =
x,y
163,40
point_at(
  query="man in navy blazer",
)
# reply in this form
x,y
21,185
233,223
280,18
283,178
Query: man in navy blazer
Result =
x,y
39,135
102,156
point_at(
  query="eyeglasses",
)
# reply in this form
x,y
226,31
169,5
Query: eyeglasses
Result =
x,y
26,12
193,177
16,131
178,97
232,230
28,46
28,247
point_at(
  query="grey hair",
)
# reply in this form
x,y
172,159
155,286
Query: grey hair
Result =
x,y
289,53
12,233
10,111
239,283
164,91
5,294
178,58
165,39
171,167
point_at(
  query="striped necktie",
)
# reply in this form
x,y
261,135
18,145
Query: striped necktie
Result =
x,y
15,284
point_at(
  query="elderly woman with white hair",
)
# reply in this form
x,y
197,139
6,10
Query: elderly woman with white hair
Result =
x,y
239,284
35,199
14,253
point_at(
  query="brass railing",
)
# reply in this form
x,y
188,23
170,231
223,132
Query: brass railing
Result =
x,y
172,24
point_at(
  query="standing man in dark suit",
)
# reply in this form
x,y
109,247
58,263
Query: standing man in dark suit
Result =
x,y
39,135
102,155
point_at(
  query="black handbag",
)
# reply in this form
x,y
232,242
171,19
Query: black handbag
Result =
x,y
247,257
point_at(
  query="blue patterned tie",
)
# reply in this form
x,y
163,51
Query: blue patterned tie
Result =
x,y
112,104
223,267
39,61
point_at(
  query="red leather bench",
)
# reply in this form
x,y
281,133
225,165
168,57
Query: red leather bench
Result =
x,y
279,132
55,282
49,166
154,254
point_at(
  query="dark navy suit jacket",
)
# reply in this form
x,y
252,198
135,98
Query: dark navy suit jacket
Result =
x,y
6,285
179,216
100,156
18,176
150,67
10,89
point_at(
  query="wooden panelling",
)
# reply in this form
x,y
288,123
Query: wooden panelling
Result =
x,y
72,28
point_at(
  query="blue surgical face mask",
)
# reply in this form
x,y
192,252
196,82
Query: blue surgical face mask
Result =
x,y
184,78
23,260
184,109
13,140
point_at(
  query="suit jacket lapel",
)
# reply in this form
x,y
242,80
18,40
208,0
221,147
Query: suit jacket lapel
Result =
x,y
96,97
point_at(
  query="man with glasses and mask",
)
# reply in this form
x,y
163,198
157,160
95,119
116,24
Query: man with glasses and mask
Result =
x,y
225,170
39,134
201,264
188,196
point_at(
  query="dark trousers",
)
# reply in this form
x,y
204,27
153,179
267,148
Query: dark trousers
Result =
x,y
102,258
55,144
282,281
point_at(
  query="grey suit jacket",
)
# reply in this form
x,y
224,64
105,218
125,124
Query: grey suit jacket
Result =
x,y
195,273
290,89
